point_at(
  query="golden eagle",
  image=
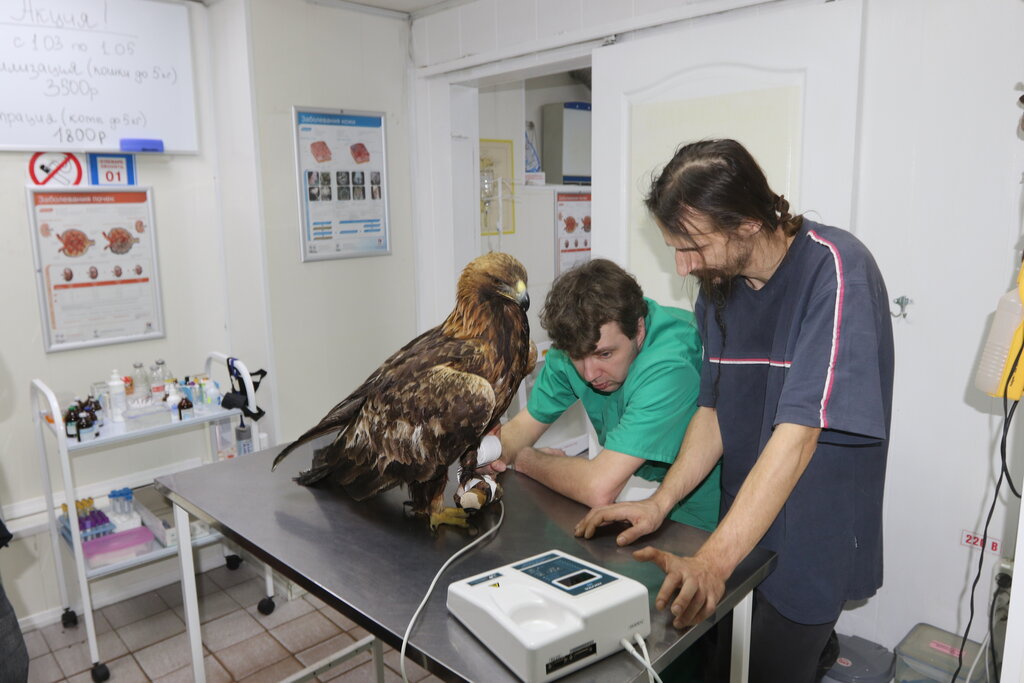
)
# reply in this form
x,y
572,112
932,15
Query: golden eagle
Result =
x,y
434,400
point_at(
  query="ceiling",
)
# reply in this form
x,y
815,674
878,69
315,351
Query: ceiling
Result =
x,y
411,7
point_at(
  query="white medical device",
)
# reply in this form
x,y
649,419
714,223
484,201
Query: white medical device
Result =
x,y
551,614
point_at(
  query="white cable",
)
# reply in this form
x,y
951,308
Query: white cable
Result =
x,y
405,638
645,661
981,653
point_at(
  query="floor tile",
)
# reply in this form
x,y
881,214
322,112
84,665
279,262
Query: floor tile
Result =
x,y
44,670
316,602
215,673
36,644
329,647
367,673
123,670
250,592
75,658
283,612
249,656
414,671
230,629
226,578
305,632
171,593
164,657
151,630
131,610
57,637
343,622
212,606
275,672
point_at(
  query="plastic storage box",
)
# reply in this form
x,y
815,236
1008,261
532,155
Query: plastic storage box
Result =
x,y
929,654
123,545
860,661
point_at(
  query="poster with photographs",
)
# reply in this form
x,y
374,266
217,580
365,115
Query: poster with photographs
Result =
x,y
96,266
342,183
572,230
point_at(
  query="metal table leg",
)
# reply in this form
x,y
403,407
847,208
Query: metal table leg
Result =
x,y
739,666
188,592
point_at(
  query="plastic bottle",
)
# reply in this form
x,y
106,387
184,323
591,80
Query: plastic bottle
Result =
x,y
118,397
996,352
140,380
243,437
532,158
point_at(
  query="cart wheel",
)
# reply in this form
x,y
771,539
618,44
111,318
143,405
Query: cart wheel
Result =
x,y
266,605
100,672
69,619
233,562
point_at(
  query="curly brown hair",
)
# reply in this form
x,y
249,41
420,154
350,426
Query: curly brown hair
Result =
x,y
583,299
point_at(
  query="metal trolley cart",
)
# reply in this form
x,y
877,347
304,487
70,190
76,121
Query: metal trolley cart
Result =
x,y
48,418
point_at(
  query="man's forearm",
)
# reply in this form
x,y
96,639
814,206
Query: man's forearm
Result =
x,y
699,453
593,482
764,492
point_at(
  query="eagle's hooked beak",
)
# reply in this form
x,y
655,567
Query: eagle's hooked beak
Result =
x,y
522,296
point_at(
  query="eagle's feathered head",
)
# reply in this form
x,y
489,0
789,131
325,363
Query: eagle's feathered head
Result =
x,y
493,275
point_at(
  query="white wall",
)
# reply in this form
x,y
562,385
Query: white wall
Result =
x,y
939,203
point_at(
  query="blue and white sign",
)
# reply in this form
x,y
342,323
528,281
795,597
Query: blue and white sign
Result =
x,y
112,169
342,183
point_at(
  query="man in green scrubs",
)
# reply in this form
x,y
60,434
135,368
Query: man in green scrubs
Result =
x,y
635,365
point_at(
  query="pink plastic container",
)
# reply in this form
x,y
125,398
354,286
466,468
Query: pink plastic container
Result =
x,y
123,545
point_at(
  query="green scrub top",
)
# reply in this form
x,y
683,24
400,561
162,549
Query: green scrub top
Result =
x,y
647,416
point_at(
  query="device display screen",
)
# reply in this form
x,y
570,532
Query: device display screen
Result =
x,y
576,579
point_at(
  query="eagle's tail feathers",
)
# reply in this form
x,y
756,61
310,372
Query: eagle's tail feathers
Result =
x,y
338,419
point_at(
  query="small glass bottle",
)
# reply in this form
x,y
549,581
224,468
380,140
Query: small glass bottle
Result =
x,y
71,420
158,380
86,425
140,380
95,408
185,408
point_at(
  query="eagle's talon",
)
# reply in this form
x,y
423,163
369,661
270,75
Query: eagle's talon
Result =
x,y
450,516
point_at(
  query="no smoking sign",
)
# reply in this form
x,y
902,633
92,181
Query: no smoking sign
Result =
x,y
54,169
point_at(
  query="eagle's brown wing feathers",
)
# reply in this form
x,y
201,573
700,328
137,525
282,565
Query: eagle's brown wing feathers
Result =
x,y
432,401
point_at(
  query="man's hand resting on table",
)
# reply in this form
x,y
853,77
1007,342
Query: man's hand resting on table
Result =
x,y
645,516
692,587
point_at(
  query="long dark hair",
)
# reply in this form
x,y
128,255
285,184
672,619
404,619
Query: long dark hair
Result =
x,y
720,180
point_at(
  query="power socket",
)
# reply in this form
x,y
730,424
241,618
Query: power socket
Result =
x,y
1002,572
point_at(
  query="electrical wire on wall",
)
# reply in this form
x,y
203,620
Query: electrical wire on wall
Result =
x,y
1009,407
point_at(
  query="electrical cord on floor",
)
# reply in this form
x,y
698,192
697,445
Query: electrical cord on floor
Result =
x,y
981,653
1004,472
416,614
645,659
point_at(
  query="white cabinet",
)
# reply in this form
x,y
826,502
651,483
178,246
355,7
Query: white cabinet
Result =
x,y
48,418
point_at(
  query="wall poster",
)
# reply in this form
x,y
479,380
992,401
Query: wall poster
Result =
x,y
96,265
342,182
572,230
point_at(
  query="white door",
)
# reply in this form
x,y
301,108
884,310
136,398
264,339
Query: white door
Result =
x,y
782,79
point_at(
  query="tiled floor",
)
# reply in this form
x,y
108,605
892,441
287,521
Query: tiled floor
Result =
x,y
143,639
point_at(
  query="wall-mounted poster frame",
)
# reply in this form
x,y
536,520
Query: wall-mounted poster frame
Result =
x,y
341,167
97,276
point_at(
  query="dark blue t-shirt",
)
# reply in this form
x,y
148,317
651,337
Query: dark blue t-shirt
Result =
x,y
812,347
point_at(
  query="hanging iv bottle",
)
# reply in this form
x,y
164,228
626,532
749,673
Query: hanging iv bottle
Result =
x,y
995,355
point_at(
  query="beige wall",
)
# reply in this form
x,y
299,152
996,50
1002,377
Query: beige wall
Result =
x,y
227,224
332,322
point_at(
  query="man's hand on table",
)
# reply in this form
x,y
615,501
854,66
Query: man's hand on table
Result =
x,y
644,516
692,586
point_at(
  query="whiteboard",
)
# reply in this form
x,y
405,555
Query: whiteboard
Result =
x,y
83,75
